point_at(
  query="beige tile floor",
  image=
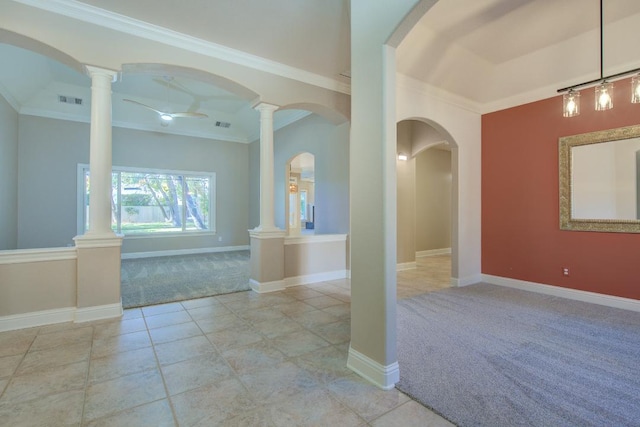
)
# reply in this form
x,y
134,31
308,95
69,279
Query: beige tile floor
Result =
x,y
241,359
431,273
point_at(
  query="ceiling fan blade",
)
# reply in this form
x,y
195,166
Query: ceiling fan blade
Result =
x,y
144,105
190,114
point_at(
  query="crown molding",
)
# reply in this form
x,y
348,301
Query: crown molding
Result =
x,y
52,114
415,85
279,124
520,99
94,15
182,132
56,115
9,98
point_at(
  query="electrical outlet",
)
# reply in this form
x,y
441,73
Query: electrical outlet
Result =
x,y
219,238
565,271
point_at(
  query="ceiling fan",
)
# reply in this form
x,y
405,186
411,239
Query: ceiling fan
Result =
x,y
166,116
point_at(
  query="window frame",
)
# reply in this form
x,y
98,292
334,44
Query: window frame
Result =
x,y
82,219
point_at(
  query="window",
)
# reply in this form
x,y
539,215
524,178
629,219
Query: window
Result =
x,y
303,205
151,202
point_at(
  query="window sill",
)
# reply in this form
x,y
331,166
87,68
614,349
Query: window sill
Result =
x,y
169,235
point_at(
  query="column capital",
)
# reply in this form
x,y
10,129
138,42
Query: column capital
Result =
x,y
96,71
263,106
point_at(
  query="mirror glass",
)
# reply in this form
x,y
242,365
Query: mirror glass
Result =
x,y
604,180
600,181
301,206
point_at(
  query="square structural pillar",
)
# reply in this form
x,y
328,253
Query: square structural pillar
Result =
x,y
267,260
98,277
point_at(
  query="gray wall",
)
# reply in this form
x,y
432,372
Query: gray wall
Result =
x,y
433,200
330,146
8,176
406,196
51,149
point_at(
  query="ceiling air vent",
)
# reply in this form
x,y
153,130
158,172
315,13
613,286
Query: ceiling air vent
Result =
x,y
223,124
69,100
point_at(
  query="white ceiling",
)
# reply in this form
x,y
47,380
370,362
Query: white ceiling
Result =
x,y
500,53
489,53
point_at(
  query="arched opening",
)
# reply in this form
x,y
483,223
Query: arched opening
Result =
x,y
181,184
424,209
300,204
325,142
39,88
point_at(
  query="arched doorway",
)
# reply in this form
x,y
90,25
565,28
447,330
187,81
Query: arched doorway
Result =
x,y
180,186
300,204
424,216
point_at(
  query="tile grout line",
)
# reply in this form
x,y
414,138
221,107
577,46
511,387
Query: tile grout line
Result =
x,y
24,355
219,351
164,383
86,378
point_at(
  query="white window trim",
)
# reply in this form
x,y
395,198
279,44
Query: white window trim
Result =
x,y
81,202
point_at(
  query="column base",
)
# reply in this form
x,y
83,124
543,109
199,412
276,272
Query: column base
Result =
x,y
89,314
267,232
98,275
382,376
98,240
266,287
267,260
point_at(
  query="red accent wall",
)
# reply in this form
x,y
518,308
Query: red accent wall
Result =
x,y
521,236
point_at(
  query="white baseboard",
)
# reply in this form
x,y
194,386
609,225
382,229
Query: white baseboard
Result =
x,y
433,252
382,376
403,266
315,278
466,281
265,287
36,318
135,255
59,315
574,294
98,313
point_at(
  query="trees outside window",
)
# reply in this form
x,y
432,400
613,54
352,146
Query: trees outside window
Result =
x,y
152,201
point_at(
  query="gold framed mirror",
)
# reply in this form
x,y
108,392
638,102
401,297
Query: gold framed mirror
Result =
x,y
600,181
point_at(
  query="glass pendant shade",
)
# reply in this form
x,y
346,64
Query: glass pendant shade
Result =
x,y
635,89
571,104
604,96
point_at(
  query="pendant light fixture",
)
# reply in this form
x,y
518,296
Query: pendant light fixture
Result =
x,y
571,103
603,91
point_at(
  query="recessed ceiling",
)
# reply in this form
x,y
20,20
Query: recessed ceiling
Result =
x,y
34,83
491,53
496,52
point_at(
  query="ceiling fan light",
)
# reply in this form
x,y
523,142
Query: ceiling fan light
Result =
x,y
635,89
166,117
604,96
571,103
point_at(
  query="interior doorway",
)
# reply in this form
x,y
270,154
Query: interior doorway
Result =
x,y
424,209
301,195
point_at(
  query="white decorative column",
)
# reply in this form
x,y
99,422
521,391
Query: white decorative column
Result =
x,y
267,241
266,167
100,152
98,264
